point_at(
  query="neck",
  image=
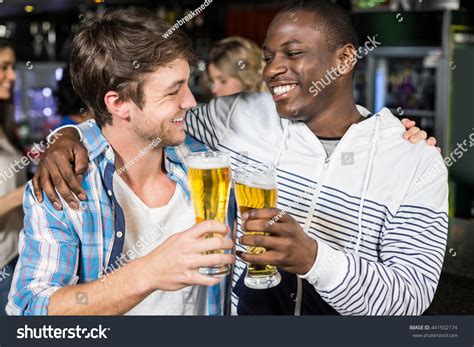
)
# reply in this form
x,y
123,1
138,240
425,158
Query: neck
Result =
x,y
142,168
335,119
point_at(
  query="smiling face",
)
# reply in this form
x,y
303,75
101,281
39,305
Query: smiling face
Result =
x,y
7,73
296,54
166,98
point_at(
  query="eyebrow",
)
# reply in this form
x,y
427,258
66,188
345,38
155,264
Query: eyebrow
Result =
x,y
287,43
175,84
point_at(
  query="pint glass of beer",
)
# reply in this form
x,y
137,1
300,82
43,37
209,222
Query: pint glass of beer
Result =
x,y
256,187
209,181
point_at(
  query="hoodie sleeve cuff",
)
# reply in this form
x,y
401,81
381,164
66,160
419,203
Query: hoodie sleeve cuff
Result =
x,y
54,132
329,269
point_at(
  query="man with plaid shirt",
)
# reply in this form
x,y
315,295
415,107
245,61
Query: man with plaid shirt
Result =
x,y
138,222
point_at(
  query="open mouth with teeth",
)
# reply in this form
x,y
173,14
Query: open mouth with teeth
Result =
x,y
281,91
177,120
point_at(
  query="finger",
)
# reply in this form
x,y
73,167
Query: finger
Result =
x,y
61,186
266,213
410,132
201,280
408,123
38,191
266,258
422,135
431,141
265,225
212,244
268,242
208,226
81,160
72,182
46,184
211,260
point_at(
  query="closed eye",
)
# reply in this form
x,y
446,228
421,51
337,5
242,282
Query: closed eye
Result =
x,y
294,53
175,92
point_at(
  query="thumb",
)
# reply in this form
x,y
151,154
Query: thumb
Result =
x,y
80,159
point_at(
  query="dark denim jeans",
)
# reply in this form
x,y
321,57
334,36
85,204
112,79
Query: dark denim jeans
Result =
x,y
6,276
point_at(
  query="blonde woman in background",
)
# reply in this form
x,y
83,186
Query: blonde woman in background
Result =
x,y
12,178
235,65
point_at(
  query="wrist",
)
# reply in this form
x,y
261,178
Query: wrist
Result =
x,y
142,280
67,131
70,133
310,257
329,269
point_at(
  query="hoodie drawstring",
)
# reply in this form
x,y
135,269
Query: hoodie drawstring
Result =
x,y
299,284
282,145
365,187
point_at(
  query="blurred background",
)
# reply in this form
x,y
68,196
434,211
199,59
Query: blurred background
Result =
x,y
422,70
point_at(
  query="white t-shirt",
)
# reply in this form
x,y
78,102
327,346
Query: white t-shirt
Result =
x,y
146,228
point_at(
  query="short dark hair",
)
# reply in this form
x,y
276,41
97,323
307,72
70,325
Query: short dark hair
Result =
x,y
332,20
116,50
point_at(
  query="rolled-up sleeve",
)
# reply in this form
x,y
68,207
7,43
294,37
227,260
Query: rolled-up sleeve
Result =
x,y
48,261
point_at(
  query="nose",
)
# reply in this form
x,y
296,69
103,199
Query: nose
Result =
x,y
276,67
216,89
188,99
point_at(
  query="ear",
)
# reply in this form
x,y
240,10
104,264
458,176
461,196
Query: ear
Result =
x,y
346,59
115,105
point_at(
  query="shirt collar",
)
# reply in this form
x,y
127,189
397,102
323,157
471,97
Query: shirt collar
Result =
x,y
98,147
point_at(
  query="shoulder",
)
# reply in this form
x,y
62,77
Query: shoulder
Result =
x,y
244,101
421,155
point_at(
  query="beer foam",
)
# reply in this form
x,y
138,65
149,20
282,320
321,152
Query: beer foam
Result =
x,y
256,181
203,163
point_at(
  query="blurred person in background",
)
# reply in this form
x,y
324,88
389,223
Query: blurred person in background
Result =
x,y
12,178
235,65
70,106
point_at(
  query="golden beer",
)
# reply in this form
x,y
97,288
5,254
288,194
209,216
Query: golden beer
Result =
x,y
256,187
209,182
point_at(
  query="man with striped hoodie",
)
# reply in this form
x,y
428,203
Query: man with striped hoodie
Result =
x,y
362,236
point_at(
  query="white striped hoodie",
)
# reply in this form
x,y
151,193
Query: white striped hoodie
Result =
x,y
381,232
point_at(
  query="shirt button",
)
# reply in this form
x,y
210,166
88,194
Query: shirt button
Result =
x,y
119,234
109,192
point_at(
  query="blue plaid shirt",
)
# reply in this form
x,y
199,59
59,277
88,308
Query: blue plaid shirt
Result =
x,y
68,247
